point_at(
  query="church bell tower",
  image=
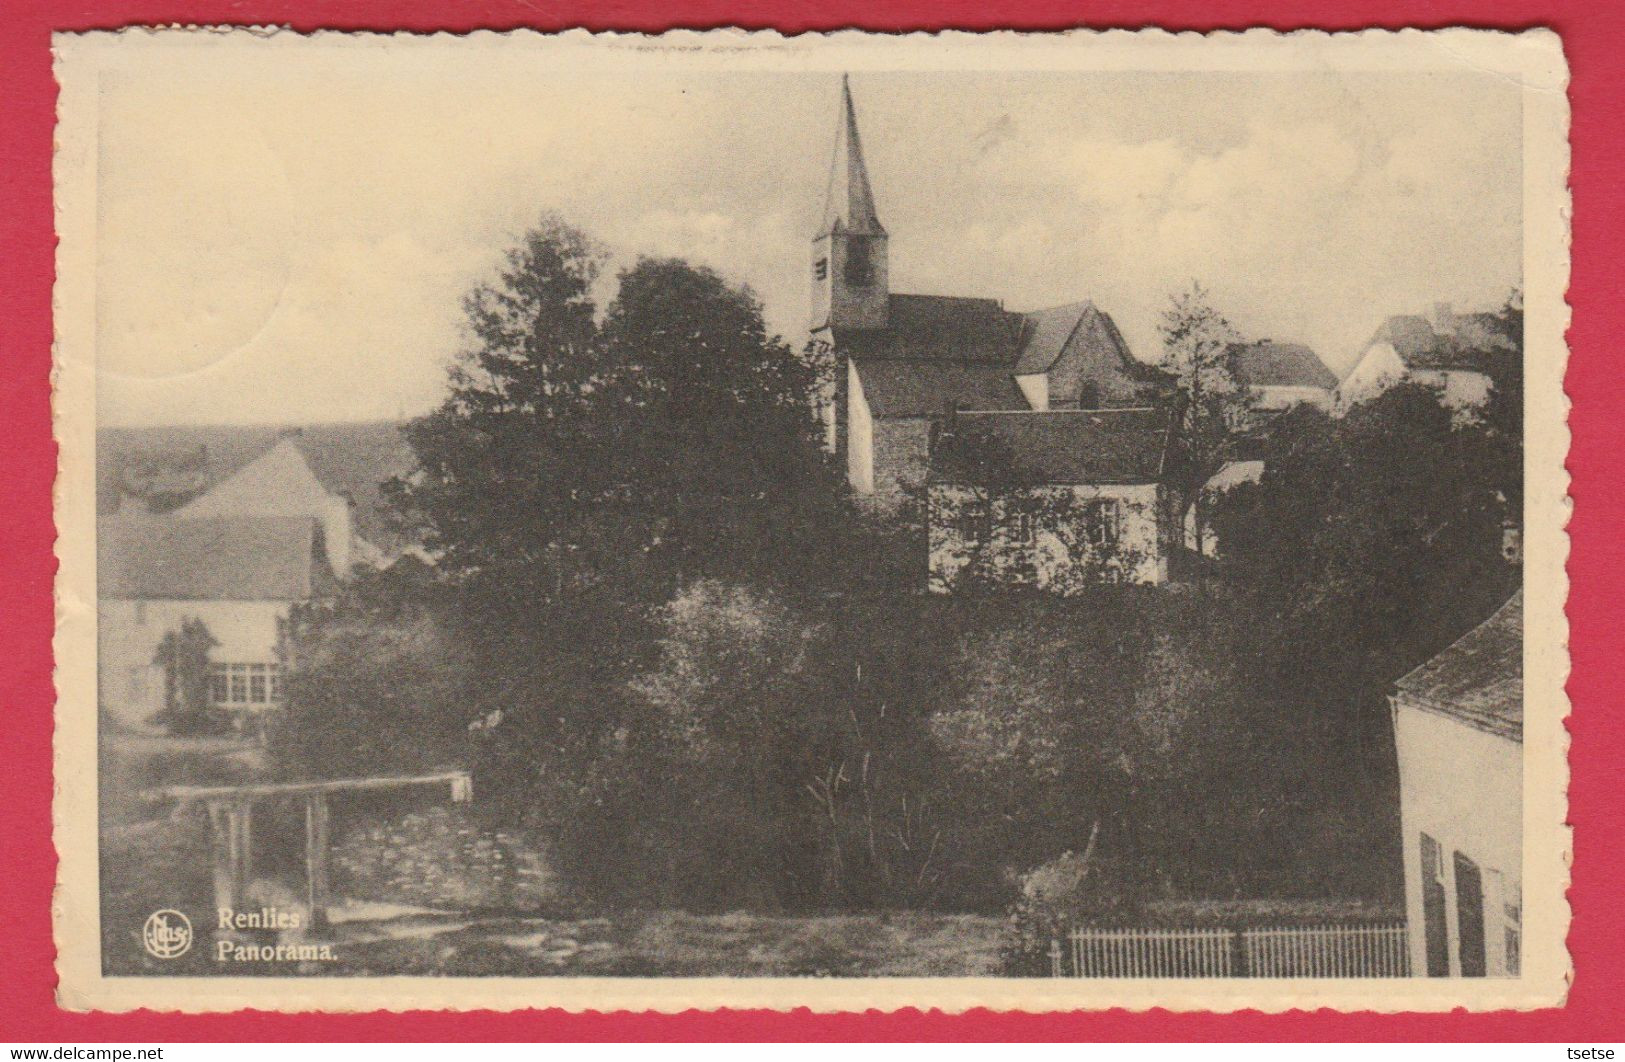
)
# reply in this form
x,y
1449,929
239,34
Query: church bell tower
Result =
x,y
849,268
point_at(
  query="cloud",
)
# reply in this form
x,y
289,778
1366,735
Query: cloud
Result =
x,y
306,258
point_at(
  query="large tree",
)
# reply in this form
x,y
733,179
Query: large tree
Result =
x,y
511,466
723,444
1372,542
1212,404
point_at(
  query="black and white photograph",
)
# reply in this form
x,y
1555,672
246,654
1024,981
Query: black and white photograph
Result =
x,y
841,514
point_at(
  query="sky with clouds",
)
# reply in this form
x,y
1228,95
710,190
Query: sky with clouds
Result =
x,y
290,243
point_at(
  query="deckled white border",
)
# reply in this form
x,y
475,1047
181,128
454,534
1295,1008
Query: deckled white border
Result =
x,y
1534,58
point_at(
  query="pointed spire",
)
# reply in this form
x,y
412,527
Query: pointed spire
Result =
x,y
850,203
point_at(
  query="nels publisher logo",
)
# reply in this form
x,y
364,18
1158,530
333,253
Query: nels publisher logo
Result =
x,y
167,934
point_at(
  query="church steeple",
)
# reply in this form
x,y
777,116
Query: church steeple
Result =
x,y
850,281
849,204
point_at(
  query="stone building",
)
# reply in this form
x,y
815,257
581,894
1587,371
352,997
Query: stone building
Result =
x,y
899,361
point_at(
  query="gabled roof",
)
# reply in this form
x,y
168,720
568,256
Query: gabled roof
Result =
x,y
1045,334
1083,447
940,328
1479,678
849,204
167,467
228,558
1270,364
897,387
1461,346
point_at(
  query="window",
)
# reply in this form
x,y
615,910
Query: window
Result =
x,y
1435,927
1103,522
973,524
1471,953
860,268
1512,909
1020,523
245,685
821,269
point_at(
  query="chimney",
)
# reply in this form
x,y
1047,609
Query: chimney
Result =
x,y
1442,317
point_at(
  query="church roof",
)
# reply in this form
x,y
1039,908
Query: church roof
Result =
x,y
900,387
1479,678
1084,447
226,558
849,204
941,328
1270,364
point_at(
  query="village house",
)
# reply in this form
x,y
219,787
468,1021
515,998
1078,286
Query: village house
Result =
x,y
231,527
1442,349
1458,727
899,361
238,575
1279,376
1057,500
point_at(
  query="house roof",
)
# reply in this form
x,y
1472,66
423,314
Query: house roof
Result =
x,y
1091,446
1045,333
1461,345
227,558
1479,678
1270,364
1076,344
167,467
896,387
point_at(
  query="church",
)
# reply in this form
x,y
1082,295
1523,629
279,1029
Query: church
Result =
x,y
902,361
1059,384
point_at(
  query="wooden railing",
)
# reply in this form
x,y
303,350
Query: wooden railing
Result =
x,y
231,825
1350,950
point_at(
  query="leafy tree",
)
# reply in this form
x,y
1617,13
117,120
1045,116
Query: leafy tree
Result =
x,y
724,444
512,465
1370,544
376,681
1503,415
183,653
1212,405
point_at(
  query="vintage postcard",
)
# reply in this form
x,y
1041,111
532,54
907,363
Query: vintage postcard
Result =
x,y
598,521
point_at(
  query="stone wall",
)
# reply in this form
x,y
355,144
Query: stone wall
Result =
x,y
441,857
902,455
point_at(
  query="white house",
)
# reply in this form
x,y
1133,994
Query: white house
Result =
x,y
230,526
1443,349
1058,500
1458,726
280,483
239,575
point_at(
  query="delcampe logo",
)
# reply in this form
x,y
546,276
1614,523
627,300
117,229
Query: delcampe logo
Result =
x,y
167,934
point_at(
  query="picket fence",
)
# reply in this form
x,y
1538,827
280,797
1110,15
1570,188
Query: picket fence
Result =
x,y
1356,950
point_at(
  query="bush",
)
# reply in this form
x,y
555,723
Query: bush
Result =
x,y
1068,891
373,692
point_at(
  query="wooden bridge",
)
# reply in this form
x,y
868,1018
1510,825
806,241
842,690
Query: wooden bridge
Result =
x,y
231,826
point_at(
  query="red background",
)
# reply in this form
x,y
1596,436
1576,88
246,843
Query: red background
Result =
x,y
1592,35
